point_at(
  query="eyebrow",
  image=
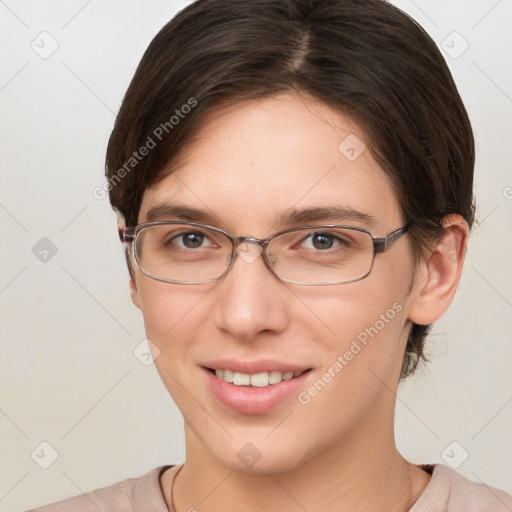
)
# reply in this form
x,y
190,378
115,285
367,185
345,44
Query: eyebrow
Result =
x,y
165,211
325,214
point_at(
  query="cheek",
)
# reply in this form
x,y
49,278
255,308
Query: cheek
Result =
x,y
173,319
363,324
171,311
342,313
364,351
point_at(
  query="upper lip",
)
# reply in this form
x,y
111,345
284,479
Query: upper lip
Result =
x,y
253,367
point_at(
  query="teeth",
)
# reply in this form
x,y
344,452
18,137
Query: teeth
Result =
x,y
275,377
258,380
241,379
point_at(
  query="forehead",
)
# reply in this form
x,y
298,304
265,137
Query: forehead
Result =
x,y
253,164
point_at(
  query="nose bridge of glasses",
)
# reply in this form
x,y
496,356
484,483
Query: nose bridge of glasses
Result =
x,y
249,248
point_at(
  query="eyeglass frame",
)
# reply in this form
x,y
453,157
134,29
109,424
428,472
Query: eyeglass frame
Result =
x,y
128,235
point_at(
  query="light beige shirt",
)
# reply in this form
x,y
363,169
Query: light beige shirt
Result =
x,y
447,491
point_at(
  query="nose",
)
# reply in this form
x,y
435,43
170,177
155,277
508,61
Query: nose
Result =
x,y
250,298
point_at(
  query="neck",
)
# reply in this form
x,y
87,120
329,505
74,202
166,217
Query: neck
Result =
x,y
362,472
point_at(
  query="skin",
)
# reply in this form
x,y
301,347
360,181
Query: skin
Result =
x,y
338,450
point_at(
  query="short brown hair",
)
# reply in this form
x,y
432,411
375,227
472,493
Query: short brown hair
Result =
x,y
365,58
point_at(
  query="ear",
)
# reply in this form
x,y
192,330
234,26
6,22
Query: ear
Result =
x,y
132,280
134,293
121,226
438,276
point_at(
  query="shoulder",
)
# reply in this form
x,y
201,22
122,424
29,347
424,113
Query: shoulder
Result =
x,y
127,496
449,491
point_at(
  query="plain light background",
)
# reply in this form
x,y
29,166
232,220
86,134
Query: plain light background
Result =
x,y
68,373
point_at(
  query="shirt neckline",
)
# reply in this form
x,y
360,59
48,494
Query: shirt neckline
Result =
x,y
157,507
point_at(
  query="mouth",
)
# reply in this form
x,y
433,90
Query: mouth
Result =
x,y
256,392
256,380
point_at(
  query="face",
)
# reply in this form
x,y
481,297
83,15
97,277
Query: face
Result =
x,y
246,166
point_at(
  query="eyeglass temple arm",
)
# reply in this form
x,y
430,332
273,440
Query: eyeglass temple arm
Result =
x,y
126,234
383,244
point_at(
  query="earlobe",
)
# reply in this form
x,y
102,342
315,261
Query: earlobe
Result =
x,y
438,276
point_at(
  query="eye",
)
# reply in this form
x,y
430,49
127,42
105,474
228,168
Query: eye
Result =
x,y
323,241
188,240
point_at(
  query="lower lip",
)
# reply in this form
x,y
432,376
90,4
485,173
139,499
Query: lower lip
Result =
x,y
253,400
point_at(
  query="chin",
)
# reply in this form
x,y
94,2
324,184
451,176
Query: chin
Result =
x,y
251,460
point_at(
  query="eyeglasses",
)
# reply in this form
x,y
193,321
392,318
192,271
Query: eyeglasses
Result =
x,y
192,253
